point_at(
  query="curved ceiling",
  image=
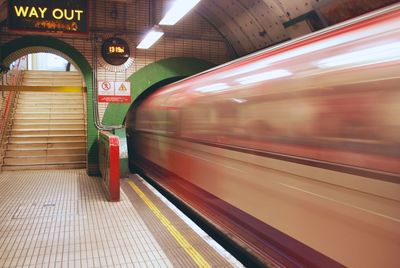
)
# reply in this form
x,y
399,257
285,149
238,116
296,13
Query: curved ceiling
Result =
x,y
250,25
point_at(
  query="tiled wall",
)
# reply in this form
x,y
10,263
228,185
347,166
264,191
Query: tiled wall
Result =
x,y
192,36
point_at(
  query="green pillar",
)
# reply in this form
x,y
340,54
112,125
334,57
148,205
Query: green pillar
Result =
x,y
143,79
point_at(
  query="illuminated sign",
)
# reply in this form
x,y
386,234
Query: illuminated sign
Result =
x,y
115,51
69,16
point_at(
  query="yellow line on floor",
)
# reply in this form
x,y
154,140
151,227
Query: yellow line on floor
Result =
x,y
193,253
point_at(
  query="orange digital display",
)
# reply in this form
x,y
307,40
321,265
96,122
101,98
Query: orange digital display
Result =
x,y
116,49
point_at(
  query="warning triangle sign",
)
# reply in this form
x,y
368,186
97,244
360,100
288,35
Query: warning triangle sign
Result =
x,y
122,88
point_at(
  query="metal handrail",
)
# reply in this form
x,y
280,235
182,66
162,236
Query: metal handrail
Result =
x,y
12,78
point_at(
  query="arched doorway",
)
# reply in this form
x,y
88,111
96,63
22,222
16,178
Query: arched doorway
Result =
x,y
33,44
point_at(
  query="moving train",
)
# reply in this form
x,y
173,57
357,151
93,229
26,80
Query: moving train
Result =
x,y
294,151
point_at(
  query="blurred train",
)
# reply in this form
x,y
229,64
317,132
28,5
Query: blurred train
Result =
x,y
294,151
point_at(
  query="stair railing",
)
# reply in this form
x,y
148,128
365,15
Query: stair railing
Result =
x,y
9,102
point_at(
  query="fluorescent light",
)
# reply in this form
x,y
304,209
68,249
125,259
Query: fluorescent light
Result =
x,y
150,39
213,87
263,76
178,10
374,55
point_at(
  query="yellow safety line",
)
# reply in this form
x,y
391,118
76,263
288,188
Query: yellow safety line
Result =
x,y
193,253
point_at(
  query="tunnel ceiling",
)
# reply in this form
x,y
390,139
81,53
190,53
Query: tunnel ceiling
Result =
x,y
249,25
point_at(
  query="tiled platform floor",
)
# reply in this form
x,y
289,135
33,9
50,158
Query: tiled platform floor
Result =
x,y
62,219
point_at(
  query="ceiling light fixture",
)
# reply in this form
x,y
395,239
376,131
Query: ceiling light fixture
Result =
x,y
179,9
150,38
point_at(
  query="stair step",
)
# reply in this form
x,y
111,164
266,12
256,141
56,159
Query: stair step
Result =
x,y
31,128
52,110
58,78
46,145
29,135
51,103
19,121
48,102
44,152
35,98
50,72
37,95
35,106
61,75
58,139
45,132
34,160
40,97
47,116
44,84
50,94
32,113
54,93
78,165
67,81
40,126
52,78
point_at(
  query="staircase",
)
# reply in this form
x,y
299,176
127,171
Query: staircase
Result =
x,y
48,78
49,129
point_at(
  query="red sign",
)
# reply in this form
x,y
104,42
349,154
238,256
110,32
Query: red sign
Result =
x,y
115,99
113,91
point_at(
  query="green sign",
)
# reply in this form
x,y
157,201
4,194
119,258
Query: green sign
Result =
x,y
69,16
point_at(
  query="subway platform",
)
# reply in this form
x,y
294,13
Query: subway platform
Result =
x,y
61,218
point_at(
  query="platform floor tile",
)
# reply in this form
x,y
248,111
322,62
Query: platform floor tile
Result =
x,y
184,243
61,218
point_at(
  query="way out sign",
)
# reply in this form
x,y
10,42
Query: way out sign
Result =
x,y
49,16
114,91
